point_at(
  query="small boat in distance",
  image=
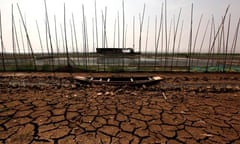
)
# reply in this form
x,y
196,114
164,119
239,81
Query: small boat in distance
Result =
x,y
116,51
119,80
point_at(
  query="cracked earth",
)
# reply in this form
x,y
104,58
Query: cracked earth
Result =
x,y
41,108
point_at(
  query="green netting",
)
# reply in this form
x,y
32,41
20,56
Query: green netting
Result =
x,y
219,68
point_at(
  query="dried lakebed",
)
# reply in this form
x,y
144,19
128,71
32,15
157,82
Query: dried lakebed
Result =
x,y
182,108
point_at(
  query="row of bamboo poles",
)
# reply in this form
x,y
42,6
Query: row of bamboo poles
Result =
x,y
168,38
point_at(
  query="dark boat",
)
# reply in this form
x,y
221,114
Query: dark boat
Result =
x,y
119,80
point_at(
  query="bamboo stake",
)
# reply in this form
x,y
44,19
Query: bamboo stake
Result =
x,y
166,35
65,33
28,39
75,36
118,30
133,32
13,42
63,40
146,44
140,36
23,45
114,34
95,5
123,23
226,46
93,44
204,35
49,35
196,36
235,42
39,36
158,37
174,37
71,30
56,39
16,37
190,41
214,40
2,44
179,42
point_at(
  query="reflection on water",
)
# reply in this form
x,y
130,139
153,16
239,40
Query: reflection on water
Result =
x,y
131,61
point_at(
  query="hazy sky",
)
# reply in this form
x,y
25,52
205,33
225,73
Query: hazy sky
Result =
x,y
33,10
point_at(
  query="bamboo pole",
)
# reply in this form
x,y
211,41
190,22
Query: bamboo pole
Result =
x,y
174,37
141,19
201,46
63,41
16,38
13,42
65,33
158,37
196,36
133,32
179,43
39,36
146,44
95,5
23,45
49,35
72,41
190,41
166,36
227,40
235,43
123,23
118,30
114,34
75,37
28,39
56,40
2,44
216,35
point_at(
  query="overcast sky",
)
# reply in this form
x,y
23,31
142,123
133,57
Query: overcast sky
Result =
x,y
33,10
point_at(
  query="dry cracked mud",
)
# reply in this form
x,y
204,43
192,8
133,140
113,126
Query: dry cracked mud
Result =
x,y
40,108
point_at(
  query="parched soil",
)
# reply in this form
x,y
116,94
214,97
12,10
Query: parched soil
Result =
x,y
52,108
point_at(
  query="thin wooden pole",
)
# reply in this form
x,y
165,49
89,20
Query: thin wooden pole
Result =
x,y
226,46
123,23
50,37
95,5
174,37
28,39
179,43
75,37
133,32
201,46
166,35
56,39
13,42
196,36
118,30
140,36
114,34
216,35
234,43
190,41
146,44
23,45
65,33
2,44
39,36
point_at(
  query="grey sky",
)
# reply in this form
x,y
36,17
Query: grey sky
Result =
x,y
34,10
